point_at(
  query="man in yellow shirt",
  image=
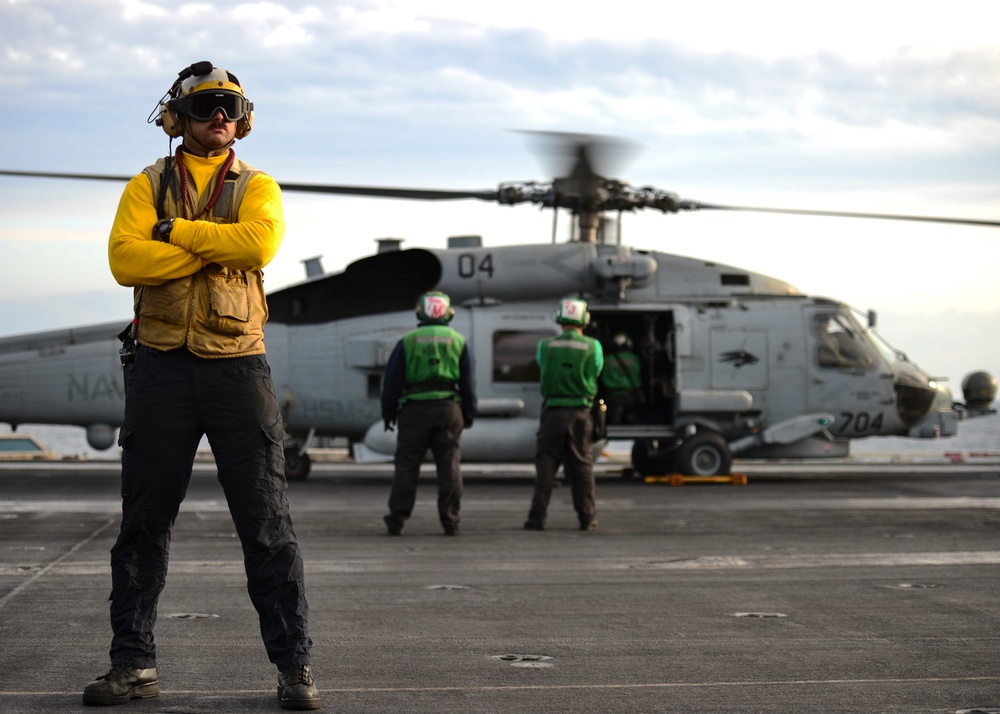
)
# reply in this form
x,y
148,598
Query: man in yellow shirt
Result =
x,y
191,236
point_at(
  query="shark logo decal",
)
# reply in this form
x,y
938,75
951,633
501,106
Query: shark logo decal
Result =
x,y
738,358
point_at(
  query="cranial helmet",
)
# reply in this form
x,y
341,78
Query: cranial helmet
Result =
x,y
573,311
622,341
435,307
199,91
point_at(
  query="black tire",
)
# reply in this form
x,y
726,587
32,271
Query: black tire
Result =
x,y
297,465
704,454
650,459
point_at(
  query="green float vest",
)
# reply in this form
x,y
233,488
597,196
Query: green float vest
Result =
x,y
433,354
622,373
569,378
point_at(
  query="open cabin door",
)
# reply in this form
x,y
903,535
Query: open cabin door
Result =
x,y
650,337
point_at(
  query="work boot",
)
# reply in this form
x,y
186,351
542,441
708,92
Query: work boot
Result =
x,y
533,525
121,684
296,688
393,528
588,525
451,529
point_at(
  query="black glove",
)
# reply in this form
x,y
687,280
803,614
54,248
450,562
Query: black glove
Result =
x,y
389,423
466,422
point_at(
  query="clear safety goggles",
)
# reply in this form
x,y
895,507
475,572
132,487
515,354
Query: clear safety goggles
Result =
x,y
202,106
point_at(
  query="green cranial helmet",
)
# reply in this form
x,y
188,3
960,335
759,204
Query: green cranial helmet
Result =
x,y
435,307
622,341
573,311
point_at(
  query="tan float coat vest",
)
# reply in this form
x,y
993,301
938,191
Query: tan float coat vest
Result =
x,y
216,312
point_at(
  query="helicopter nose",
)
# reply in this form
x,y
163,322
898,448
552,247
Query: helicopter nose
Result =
x,y
915,394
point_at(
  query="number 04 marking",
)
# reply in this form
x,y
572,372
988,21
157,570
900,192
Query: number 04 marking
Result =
x,y
467,267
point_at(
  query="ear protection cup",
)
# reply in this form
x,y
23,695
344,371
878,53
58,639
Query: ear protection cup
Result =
x,y
170,121
244,125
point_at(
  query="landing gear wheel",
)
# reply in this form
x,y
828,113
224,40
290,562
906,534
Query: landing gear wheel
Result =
x,y
704,454
651,458
297,465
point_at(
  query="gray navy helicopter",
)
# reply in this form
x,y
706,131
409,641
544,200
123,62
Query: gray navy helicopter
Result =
x,y
734,363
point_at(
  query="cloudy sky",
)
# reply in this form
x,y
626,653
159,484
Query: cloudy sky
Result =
x,y
883,106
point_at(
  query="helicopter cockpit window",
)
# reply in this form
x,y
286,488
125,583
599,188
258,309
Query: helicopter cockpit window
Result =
x,y
841,343
514,355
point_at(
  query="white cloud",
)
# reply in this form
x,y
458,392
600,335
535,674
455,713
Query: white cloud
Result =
x,y
284,28
137,10
378,17
194,9
766,28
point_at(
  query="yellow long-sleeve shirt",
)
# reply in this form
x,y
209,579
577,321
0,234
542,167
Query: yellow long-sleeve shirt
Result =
x,y
249,244
203,289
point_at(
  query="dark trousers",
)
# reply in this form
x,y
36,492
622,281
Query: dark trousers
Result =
x,y
435,425
624,408
564,437
173,399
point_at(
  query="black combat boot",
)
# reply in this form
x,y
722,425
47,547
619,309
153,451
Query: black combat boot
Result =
x,y
296,688
121,684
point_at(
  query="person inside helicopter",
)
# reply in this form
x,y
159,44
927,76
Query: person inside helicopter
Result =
x,y
621,380
840,343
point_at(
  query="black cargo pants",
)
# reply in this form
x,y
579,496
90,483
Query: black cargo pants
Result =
x,y
564,437
436,425
173,399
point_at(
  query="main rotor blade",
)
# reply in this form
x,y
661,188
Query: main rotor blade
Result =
x,y
603,155
45,174
694,205
424,194
373,191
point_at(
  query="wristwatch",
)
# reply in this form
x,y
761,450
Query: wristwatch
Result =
x,y
161,231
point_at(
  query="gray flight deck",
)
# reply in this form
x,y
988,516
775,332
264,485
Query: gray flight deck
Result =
x,y
810,589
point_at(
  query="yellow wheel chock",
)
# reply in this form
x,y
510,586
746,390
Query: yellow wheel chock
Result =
x,y
681,479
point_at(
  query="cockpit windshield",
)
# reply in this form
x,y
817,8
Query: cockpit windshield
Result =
x,y
841,343
889,353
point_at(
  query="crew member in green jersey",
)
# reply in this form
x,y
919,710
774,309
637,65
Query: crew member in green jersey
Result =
x,y
570,365
621,381
429,389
